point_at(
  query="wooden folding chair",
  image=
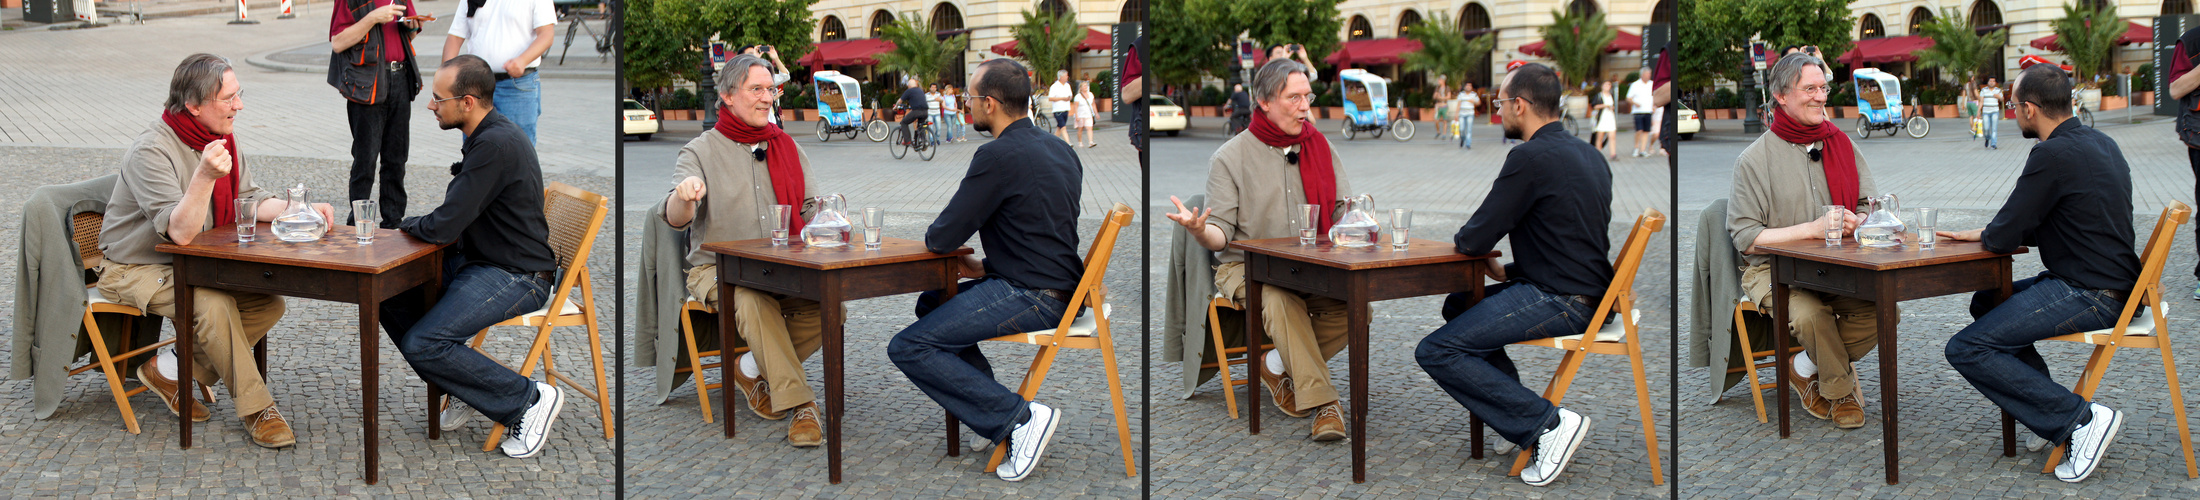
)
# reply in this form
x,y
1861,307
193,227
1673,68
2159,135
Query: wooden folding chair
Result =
x,y
1075,332
1605,337
695,355
1756,386
86,234
2135,330
1223,355
575,217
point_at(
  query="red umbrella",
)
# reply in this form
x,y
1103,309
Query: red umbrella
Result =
x,y
2136,33
1885,50
1373,52
1094,40
1620,42
846,53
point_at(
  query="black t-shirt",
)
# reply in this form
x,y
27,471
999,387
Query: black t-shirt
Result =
x,y
913,98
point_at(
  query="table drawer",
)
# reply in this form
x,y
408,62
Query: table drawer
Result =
x,y
769,276
1299,276
1823,276
278,279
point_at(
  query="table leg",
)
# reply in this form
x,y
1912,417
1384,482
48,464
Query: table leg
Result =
x,y
435,412
835,381
1475,422
727,360
369,375
1356,317
1888,410
433,289
186,338
1780,343
2008,422
1254,357
951,276
1475,291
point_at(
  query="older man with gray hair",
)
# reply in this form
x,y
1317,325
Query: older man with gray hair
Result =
x,y
1058,97
1255,184
1783,184
745,149
181,178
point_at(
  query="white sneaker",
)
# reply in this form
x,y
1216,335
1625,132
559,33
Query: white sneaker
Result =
x,y
455,414
2089,443
1555,448
534,425
1506,447
2033,442
1028,443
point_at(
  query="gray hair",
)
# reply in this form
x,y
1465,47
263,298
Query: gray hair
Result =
x,y
196,81
1269,80
1790,69
736,72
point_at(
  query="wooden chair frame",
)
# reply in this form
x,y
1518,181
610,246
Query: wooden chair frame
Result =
x,y
572,248
2148,291
695,355
85,231
1089,294
1222,354
1619,297
1757,386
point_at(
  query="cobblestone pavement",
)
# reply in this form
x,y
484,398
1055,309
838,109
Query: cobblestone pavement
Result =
x,y
1950,433
80,96
1419,434
895,443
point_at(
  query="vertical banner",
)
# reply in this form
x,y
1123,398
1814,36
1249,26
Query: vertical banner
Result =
x,y
1123,36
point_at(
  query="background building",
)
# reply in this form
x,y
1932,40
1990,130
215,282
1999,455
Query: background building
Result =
x,y
2025,21
988,22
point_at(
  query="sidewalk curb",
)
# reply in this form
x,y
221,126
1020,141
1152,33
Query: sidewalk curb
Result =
x,y
263,61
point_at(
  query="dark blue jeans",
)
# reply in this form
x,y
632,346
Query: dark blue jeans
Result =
x,y
433,336
1467,357
940,354
1996,353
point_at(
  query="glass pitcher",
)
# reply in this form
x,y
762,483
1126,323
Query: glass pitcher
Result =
x,y
299,221
1880,228
1357,228
829,228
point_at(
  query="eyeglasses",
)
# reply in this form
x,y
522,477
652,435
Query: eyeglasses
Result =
x,y
1500,103
1818,89
1296,99
233,100
760,90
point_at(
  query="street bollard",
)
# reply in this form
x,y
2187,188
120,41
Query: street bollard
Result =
x,y
241,19
287,13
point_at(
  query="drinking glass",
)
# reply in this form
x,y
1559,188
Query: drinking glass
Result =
x,y
874,222
364,214
777,223
1306,224
248,219
1833,226
1401,219
1928,219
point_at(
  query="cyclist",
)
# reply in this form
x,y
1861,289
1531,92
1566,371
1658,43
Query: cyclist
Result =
x,y
912,99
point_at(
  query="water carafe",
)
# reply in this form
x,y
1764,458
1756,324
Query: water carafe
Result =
x,y
299,221
1357,228
829,228
1880,228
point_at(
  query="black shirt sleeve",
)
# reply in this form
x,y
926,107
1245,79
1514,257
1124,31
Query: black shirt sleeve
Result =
x,y
1508,201
973,203
475,183
2028,204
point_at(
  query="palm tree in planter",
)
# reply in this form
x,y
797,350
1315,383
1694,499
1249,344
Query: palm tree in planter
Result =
x,y
1446,52
1575,42
1049,43
917,51
1958,51
2088,36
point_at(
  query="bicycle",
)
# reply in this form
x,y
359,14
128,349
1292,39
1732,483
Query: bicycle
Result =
x,y
876,128
2077,109
903,143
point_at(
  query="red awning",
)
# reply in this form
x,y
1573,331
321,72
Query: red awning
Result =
x,y
846,53
1622,42
1094,40
1885,50
1373,52
2136,33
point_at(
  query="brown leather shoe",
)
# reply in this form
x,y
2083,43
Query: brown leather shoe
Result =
x,y
1279,388
757,392
1807,389
805,431
269,430
1329,422
1848,413
166,389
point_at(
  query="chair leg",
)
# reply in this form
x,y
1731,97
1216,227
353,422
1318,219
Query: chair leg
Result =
x,y
1029,389
2096,367
1749,360
1649,418
695,364
1115,396
2177,405
1222,361
595,353
535,353
107,368
1555,393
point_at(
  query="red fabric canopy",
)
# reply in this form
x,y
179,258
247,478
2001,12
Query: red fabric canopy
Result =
x,y
846,53
1373,52
1094,40
1623,41
2137,33
1885,50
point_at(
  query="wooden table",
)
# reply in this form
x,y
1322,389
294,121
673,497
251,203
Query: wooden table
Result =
x,y
336,268
829,276
1884,276
1357,276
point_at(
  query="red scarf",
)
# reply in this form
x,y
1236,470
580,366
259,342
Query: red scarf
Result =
x,y
195,135
1840,155
1314,166
780,159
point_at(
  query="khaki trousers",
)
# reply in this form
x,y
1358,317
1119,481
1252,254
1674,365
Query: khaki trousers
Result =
x,y
781,332
227,325
1833,330
1307,330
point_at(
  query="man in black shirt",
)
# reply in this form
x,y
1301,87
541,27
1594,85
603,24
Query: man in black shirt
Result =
x,y
2073,201
1021,197
912,98
1554,198
499,268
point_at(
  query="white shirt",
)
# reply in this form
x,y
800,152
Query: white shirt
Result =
x,y
503,29
1059,90
1990,100
947,103
1638,97
1084,106
932,102
1467,102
